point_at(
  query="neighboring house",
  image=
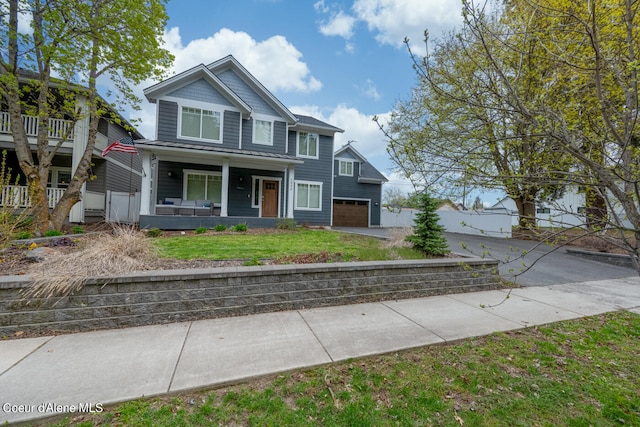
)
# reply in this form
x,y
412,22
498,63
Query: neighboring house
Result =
x,y
226,151
566,211
117,172
357,190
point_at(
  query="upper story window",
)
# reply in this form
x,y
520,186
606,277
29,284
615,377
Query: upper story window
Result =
x,y
346,168
307,145
262,132
197,123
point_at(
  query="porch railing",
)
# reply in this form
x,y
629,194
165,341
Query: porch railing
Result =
x,y
17,196
58,128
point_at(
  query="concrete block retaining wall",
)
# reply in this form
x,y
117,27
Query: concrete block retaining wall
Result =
x,y
180,295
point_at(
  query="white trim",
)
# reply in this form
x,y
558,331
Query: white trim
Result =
x,y
306,156
260,179
202,106
262,118
185,180
340,161
290,190
315,183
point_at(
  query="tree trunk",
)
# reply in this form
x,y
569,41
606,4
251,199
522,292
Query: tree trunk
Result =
x,y
596,209
526,211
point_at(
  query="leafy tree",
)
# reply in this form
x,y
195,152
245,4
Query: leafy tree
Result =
x,y
47,69
394,199
456,133
477,204
427,232
588,105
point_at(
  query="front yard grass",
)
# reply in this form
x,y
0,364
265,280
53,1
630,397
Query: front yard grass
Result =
x,y
583,372
281,244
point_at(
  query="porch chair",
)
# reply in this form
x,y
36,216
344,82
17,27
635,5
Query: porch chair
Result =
x,y
187,208
203,208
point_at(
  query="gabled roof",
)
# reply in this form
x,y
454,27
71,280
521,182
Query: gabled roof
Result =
x,y
229,62
354,152
308,122
368,174
198,72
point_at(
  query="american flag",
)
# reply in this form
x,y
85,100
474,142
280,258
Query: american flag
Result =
x,y
124,145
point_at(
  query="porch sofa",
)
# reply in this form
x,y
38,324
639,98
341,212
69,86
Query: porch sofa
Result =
x,y
178,206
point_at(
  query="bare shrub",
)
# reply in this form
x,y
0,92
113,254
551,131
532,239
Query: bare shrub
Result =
x,y
60,274
397,237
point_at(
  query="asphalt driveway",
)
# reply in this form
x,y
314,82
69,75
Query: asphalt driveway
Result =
x,y
525,262
534,264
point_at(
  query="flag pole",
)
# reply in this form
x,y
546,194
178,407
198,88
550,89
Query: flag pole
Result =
x,y
130,181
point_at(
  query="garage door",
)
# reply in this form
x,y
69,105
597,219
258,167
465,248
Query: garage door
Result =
x,y
350,213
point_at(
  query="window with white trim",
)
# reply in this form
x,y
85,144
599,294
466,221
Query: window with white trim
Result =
x,y
308,145
308,195
263,132
346,168
197,123
202,185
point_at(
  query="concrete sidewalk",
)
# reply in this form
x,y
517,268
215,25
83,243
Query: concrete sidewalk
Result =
x,y
81,372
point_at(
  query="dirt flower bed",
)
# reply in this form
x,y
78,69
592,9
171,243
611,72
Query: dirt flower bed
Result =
x,y
610,242
14,260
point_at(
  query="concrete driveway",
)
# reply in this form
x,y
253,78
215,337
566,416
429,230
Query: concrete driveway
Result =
x,y
523,261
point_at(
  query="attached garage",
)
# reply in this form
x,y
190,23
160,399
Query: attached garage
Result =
x,y
350,213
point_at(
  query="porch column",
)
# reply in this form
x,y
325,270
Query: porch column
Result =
x,y
225,189
145,188
80,139
291,192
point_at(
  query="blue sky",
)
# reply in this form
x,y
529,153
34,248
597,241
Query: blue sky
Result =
x,y
340,61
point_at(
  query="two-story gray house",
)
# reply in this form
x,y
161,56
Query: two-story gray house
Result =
x,y
357,193
226,151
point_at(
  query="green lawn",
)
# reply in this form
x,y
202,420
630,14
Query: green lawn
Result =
x,y
273,245
582,372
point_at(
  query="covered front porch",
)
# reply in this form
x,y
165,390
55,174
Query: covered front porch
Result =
x,y
202,186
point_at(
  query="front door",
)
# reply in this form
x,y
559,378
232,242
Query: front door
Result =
x,y
269,199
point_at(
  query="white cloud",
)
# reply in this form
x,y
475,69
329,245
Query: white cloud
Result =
x,y
340,24
359,127
393,20
369,90
275,62
320,7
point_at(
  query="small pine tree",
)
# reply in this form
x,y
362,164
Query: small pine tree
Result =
x,y
427,233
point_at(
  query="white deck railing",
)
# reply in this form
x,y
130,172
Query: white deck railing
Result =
x,y
17,196
58,128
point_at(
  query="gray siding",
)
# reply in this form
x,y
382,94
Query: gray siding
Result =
x,y
201,91
119,178
231,129
347,187
168,126
240,196
167,121
173,186
235,83
279,138
122,179
319,171
99,183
